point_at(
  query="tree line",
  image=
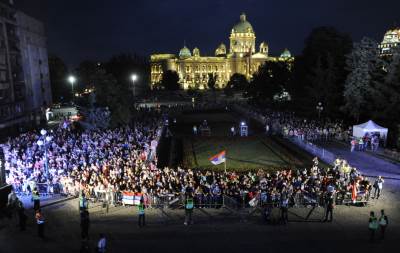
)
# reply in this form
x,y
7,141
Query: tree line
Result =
x,y
110,81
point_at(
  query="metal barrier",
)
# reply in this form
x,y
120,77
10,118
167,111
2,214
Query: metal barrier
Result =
x,y
321,153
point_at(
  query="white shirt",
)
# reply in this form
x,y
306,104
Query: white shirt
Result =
x,y
102,244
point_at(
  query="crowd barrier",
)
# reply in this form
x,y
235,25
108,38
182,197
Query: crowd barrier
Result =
x,y
321,153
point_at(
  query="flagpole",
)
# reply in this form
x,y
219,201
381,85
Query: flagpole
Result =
x,y
225,165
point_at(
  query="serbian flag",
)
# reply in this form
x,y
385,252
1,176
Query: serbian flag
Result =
x,y
130,198
218,158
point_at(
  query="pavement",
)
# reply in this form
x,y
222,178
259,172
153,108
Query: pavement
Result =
x,y
213,230
369,164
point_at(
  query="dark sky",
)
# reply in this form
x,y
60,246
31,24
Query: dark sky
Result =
x,y
96,29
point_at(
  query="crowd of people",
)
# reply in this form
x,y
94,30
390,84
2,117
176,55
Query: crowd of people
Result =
x,y
362,144
289,124
108,162
93,160
103,164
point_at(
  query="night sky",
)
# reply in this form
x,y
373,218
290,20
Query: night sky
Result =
x,y
96,29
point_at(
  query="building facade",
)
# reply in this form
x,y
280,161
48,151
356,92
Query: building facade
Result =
x,y
194,70
24,75
35,65
391,39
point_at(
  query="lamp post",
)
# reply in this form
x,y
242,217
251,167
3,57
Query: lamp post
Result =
x,y
72,80
44,142
134,78
319,108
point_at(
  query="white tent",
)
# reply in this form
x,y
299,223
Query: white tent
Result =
x,y
369,127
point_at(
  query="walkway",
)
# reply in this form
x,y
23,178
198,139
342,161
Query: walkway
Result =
x,y
368,164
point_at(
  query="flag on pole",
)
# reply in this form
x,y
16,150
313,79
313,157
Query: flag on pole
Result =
x,y
218,158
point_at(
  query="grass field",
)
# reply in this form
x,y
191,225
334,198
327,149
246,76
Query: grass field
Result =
x,y
243,153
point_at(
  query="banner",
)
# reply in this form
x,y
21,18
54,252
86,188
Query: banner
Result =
x,y
130,198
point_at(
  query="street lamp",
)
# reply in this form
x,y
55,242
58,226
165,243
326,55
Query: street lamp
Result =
x,y
43,142
134,78
319,108
72,80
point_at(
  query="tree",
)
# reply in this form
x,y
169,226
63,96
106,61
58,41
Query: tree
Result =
x,y
387,97
321,67
237,82
270,80
122,67
358,88
114,95
85,71
170,81
60,89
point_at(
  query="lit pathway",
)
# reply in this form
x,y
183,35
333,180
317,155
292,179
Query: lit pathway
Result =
x,y
368,164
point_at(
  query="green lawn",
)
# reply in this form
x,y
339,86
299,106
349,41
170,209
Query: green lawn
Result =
x,y
242,153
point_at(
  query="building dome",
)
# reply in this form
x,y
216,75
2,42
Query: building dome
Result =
x,y
264,47
184,53
392,36
286,54
243,26
390,41
221,50
196,52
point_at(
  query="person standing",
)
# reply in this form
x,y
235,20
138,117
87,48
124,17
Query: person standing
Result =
x,y
329,208
83,202
36,199
102,244
40,223
372,225
353,144
360,144
85,224
284,209
12,199
21,215
141,217
383,223
188,209
378,185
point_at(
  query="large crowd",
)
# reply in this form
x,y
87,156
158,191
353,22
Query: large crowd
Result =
x,y
109,162
94,160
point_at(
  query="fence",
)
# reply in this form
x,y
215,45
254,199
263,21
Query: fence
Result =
x,y
321,153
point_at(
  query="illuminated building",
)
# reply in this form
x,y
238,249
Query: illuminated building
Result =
x,y
391,39
244,57
24,72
